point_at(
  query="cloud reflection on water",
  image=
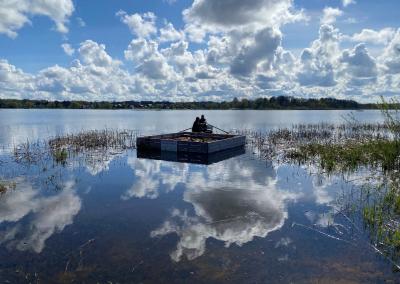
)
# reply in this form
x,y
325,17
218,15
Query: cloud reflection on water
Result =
x,y
44,215
233,201
232,215
151,175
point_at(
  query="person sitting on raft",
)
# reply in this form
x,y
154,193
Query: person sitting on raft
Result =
x,y
196,125
203,123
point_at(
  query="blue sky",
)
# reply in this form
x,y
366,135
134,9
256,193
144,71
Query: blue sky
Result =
x,y
102,25
66,49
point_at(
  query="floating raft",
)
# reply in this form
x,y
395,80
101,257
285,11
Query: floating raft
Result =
x,y
193,158
190,142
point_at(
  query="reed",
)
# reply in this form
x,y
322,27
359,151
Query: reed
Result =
x,y
6,186
95,139
60,148
344,149
30,152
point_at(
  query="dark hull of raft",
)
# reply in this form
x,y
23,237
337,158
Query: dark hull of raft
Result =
x,y
193,158
189,142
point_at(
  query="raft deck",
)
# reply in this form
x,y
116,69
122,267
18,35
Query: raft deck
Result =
x,y
190,142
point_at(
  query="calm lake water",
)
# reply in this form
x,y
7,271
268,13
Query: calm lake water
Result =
x,y
115,218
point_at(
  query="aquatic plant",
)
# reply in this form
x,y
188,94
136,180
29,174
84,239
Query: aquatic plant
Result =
x,y
30,152
48,157
391,113
284,144
59,148
60,155
350,155
94,139
346,149
6,186
3,188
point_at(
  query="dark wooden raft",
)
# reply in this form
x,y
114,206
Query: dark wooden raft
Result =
x,y
204,143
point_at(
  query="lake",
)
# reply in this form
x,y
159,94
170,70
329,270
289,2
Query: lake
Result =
x,y
115,218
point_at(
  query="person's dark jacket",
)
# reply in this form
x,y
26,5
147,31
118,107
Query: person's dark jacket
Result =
x,y
196,126
203,124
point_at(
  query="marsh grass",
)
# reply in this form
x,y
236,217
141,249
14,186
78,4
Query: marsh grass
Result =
x,y
60,148
94,140
350,156
346,149
30,152
391,112
287,144
6,186
48,158
60,156
380,211
3,188
382,221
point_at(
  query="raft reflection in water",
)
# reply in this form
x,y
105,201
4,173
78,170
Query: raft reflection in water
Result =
x,y
193,158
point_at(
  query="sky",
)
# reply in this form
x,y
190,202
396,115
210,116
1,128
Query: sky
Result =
x,y
185,50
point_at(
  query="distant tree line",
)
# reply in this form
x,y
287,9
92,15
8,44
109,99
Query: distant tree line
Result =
x,y
281,102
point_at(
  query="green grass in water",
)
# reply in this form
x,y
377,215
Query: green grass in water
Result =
x,y
381,154
382,215
60,156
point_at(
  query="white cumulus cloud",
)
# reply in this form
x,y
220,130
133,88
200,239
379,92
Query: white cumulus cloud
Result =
x,y
224,15
330,14
318,62
242,54
346,3
169,33
16,14
264,47
68,49
382,36
359,65
391,55
140,25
